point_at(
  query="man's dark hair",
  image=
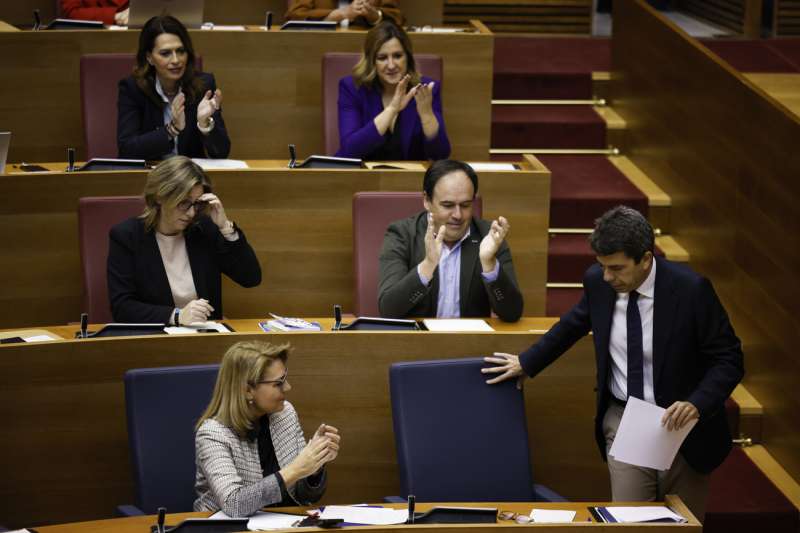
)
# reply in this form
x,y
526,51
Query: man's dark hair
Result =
x,y
622,229
441,168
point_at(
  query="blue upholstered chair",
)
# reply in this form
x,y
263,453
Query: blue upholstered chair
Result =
x,y
163,405
459,439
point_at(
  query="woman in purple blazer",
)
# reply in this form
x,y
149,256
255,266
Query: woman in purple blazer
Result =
x,y
387,111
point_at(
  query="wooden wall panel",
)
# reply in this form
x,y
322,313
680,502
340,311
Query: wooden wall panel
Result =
x,y
65,400
271,83
726,154
298,221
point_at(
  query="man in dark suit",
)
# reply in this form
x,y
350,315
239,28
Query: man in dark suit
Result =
x,y
444,263
661,335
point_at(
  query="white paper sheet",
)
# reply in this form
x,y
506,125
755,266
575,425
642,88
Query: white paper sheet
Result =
x,y
644,514
457,324
194,327
38,338
263,521
552,516
356,514
219,164
490,167
641,439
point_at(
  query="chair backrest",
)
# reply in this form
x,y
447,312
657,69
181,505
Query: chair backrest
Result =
x,y
457,438
100,76
337,65
163,405
96,216
372,214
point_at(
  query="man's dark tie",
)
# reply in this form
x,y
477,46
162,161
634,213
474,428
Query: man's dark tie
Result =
x,y
635,349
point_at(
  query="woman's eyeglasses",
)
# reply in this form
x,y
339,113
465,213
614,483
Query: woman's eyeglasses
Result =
x,y
280,382
185,205
516,517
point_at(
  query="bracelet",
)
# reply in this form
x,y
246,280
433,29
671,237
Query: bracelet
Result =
x,y
380,18
228,229
208,128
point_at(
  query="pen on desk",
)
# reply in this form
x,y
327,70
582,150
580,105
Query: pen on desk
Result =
x,y
411,502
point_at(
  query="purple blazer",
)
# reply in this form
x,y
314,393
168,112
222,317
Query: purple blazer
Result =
x,y
358,136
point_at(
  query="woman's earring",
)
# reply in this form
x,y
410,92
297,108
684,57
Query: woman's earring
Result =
x,y
250,401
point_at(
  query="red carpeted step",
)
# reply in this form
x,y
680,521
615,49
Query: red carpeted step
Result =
x,y
525,86
583,187
551,54
752,55
568,257
545,126
742,499
559,301
548,67
788,48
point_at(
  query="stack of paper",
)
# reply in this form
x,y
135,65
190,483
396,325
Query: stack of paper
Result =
x,y
457,324
372,516
652,513
552,516
197,327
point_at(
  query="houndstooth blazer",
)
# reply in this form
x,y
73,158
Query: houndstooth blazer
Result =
x,y
229,475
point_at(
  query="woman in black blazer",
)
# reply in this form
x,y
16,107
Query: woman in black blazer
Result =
x,y
166,107
165,265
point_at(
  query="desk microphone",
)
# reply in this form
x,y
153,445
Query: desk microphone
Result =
x,y
162,514
411,501
37,20
337,317
268,22
84,325
292,156
70,159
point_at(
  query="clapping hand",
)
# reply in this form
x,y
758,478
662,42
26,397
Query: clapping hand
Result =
x,y
178,111
433,248
492,241
401,98
209,105
424,98
331,436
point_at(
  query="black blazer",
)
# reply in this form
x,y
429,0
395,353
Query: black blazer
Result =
x,y
402,294
141,133
137,281
697,356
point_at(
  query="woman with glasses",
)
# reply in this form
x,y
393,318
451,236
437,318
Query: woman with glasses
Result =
x,y
165,265
250,448
166,106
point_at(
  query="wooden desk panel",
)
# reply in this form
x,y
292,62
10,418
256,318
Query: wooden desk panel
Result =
x,y
581,520
271,83
65,400
298,221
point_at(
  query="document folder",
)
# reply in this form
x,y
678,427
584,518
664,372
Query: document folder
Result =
x,y
457,515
